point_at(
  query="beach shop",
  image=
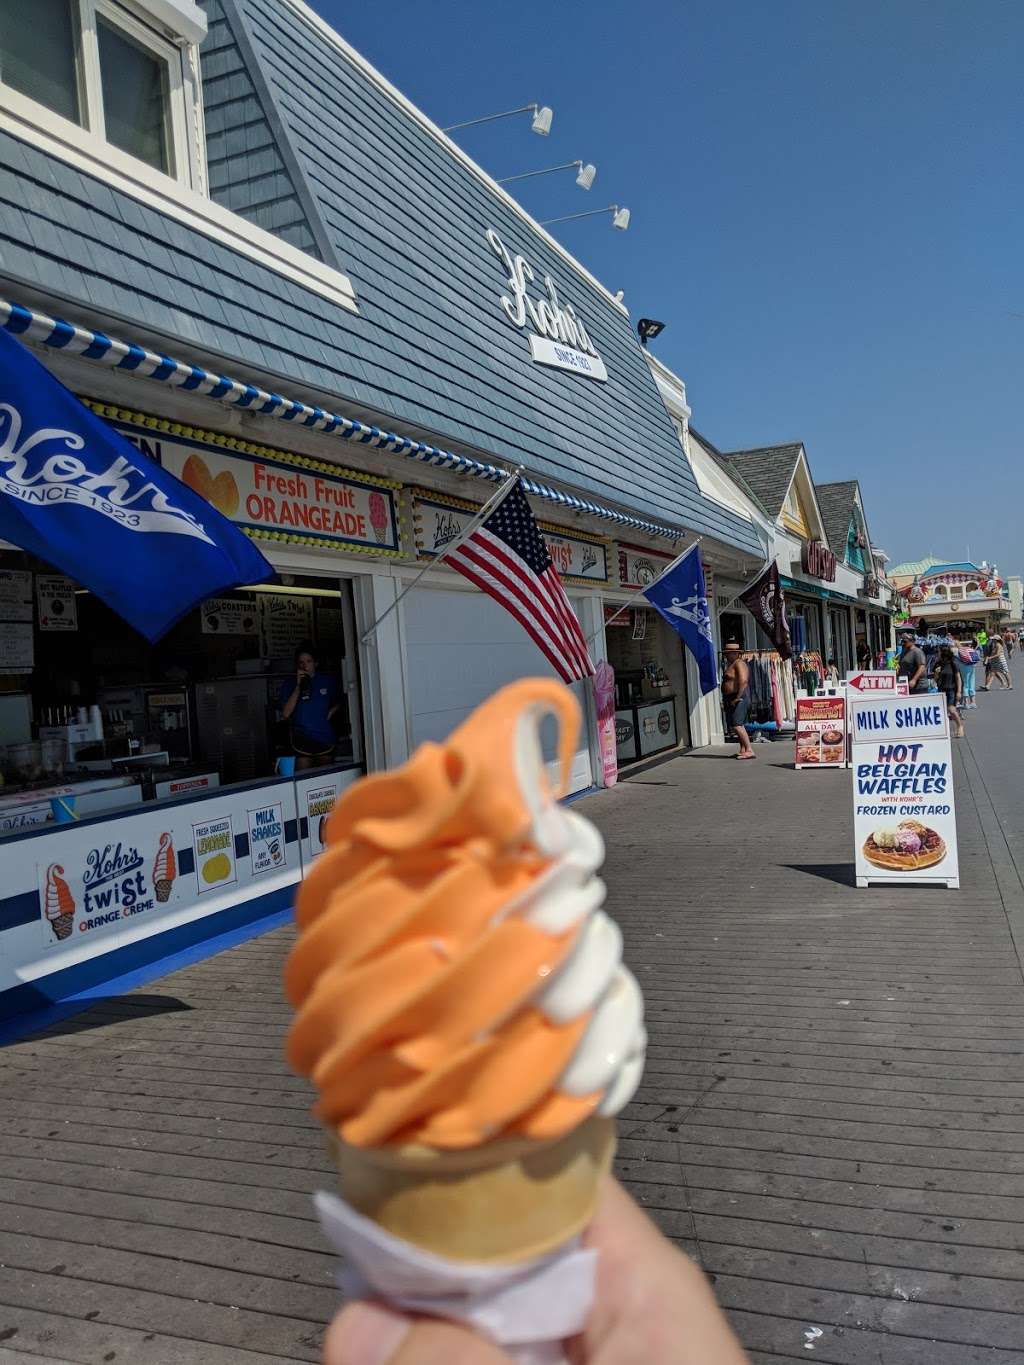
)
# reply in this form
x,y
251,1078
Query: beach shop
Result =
x,y
243,291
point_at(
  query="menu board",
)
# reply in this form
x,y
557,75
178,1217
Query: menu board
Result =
x,y
15,595
904,811
16,648
230,616
821,732
286,622
58,606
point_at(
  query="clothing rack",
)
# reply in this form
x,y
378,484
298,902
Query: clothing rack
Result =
x,y
772,691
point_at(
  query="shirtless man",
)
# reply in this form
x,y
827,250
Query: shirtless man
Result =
x,y
736,692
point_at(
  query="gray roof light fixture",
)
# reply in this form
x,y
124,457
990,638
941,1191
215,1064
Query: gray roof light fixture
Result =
x,y
584,173
541,122
620,216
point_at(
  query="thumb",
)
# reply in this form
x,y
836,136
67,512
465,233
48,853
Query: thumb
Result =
x,y
370,1334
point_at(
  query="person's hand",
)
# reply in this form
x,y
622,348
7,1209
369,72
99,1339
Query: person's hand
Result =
x,y
652,1306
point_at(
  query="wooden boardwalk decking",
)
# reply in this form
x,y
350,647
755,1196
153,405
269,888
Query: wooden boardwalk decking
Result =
x,y
831,1121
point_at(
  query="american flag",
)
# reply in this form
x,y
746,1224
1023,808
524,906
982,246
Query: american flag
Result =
x,y
506,558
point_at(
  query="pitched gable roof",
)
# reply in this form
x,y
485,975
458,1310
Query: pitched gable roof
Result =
x,y
730,471
431,349
838,504
768,470
252,169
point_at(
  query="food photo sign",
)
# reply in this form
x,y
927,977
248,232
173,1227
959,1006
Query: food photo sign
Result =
x,y
821,732
904,815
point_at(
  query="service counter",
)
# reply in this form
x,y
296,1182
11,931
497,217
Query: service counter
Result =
x,y
109,893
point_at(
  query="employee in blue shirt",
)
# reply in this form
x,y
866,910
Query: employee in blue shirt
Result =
x,y
309,705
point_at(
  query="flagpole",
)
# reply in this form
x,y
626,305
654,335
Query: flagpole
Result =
x,y
491,505
629,602
747,586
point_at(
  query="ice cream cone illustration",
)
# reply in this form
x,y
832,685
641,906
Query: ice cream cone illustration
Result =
x,y
461,1003
379,517
165,868
58,902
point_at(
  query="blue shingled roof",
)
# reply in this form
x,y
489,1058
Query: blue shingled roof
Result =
x,y
346,169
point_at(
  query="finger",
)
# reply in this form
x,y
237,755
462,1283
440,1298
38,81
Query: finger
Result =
x,y
653,1304
370,1334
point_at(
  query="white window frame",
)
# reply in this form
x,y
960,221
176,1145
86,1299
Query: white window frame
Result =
x,y
181,97
186,143
184,198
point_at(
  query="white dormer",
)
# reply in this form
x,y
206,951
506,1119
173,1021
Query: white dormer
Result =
x,y
119,76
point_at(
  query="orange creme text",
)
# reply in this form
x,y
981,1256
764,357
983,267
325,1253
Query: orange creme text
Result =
x,y
312,503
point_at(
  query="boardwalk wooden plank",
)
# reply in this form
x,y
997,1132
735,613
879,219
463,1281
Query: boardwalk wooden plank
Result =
x,y
831,1122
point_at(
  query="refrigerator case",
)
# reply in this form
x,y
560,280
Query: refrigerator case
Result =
x,y
233,720
168,722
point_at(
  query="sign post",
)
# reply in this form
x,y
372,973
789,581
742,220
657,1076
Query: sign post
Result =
x,y
904,815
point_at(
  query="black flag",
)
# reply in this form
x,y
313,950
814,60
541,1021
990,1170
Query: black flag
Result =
x,y
767,605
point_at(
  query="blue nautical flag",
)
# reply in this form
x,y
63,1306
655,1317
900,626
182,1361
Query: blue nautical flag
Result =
x,y
80,496
679,596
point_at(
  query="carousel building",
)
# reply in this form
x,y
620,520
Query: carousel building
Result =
x,y
937,594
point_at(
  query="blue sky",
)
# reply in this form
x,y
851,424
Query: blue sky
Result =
x,y
828,213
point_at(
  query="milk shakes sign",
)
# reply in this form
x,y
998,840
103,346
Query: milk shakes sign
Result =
x,y
904,816
557,336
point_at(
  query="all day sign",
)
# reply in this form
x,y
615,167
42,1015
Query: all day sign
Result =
x,y
904,814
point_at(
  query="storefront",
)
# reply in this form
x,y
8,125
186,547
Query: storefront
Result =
x,y
651,700
350,425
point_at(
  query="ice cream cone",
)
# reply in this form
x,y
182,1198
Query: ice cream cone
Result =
x,y
163,890
62,925
505,1202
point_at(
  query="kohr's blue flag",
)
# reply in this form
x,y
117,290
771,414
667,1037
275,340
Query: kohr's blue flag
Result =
x,y
74,492
679,596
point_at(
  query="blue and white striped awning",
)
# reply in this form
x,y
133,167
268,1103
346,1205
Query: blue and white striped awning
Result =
x,y
126,355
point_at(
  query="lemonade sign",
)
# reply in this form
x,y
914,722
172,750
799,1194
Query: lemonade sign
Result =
x,y
213,842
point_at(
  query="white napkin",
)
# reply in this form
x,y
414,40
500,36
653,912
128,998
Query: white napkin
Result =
x,y
527,1309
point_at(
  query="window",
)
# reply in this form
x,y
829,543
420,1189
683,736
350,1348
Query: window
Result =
x,y
106,66
136,102
38,44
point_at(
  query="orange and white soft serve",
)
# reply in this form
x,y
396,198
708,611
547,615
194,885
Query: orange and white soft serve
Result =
x,y
455,979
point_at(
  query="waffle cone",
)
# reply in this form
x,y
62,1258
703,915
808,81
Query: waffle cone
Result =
x,y
62,925
163,889
507,1201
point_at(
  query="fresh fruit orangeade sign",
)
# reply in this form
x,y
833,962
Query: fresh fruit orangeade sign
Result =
x,y
290,500
904,815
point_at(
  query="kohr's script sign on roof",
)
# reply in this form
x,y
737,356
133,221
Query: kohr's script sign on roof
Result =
x,y
557,336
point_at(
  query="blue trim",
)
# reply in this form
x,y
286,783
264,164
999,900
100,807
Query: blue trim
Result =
x,y
578,796
20,319
165,369
62,333
145,960
134,358
20,909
